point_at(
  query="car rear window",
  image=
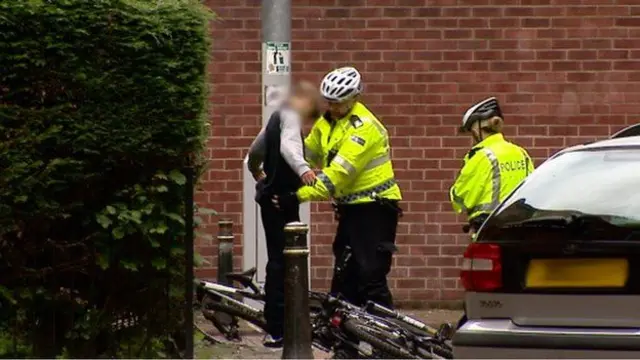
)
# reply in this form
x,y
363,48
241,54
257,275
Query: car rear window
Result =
x,y
595,182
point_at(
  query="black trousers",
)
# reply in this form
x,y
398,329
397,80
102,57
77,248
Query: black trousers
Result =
x,y
370,230
273,221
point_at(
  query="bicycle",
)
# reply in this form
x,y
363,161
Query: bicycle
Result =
x,y
337,326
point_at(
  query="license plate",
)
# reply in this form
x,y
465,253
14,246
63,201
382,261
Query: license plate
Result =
x,y
577,273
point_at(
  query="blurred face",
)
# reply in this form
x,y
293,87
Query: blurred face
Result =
x,y
305,105
339,110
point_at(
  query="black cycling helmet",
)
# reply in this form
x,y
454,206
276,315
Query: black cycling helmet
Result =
x,y
485,109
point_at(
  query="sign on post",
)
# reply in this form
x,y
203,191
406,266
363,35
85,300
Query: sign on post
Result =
x,y
278,58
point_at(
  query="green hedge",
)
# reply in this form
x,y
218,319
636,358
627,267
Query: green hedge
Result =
x,y
102,104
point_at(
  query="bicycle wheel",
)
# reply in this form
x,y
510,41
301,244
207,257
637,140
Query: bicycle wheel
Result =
x,y
378,339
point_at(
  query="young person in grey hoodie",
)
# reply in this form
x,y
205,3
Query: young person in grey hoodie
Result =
x,y
276,160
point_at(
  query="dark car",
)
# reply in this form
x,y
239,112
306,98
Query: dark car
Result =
x,y
555,270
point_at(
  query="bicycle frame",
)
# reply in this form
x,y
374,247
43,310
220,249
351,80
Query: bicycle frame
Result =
x,y
229,290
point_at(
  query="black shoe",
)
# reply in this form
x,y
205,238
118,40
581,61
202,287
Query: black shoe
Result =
x,y
272,342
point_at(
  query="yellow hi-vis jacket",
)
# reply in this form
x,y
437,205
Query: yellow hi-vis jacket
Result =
x,y
491,170
354,155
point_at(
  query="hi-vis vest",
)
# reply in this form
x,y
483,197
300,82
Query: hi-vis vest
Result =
x,y
491,170
354,155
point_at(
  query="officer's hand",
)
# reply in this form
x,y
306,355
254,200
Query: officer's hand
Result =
x,y
309,178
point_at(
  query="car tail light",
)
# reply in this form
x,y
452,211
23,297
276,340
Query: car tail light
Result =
x,y
482,268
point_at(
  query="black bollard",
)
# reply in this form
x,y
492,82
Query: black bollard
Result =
x,y
225,250
297,325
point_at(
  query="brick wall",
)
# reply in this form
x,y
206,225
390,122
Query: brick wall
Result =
x,y
565,72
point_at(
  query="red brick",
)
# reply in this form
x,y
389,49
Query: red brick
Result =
x,y
564,70
628,22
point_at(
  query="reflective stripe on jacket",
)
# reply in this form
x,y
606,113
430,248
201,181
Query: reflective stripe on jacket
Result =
x,y
354,155
491,170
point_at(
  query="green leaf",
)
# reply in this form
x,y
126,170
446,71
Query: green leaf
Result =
x,y
161,176
104,221
6,294
118,233
198,260
21,199
103,261
175,217
178,252
129,265
111,210
136,216
177,177
25,294
160,229
162,189
159,263
176,292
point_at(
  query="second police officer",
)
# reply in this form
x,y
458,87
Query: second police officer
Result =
x,y
491,169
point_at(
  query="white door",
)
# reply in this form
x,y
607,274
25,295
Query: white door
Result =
x,y
254,244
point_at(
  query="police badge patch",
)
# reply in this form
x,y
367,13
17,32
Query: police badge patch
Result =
x,y
356,121
357,140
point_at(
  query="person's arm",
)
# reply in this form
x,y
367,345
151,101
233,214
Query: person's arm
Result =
x,y
257,152
466,192
348,163
291,146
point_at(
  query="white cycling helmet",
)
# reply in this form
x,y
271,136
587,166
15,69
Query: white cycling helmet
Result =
x,y
341,84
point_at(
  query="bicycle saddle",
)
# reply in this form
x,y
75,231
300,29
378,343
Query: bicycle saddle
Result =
x,y
245,277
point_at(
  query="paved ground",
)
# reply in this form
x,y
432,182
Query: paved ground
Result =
x,y
251,345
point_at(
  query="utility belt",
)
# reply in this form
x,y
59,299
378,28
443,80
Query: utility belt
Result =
x,y
340,203
367,193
